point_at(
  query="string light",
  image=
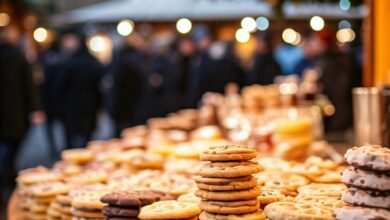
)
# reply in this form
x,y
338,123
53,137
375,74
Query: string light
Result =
x,y
345,35
4,19
183,25
290,36
345,4
248,24
125,27
242,35
97,43
40,35
262,23
317,23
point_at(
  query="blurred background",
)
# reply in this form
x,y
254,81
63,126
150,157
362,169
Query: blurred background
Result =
x,y
76,70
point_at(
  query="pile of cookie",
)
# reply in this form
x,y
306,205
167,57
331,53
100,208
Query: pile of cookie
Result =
x,y
368,179
226,186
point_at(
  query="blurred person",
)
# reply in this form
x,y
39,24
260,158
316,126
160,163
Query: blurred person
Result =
x,y
128,74
336,78
217,69
78,90
265,68
18,106
307,60
288,56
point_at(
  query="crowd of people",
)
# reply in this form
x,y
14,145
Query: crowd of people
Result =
x,y
139,84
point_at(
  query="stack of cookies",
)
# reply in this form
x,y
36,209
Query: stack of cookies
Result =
x,y
126,204
87,205
226,186
369,184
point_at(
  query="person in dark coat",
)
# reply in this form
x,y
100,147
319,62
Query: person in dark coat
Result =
x,y
51,65
215,70
79,91
17,106
265,68
128,75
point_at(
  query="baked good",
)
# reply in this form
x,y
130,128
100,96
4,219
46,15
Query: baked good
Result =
x,y
229,195
361,213
365,179
233,207
372,198
233,185
169,209
228,153
296,211
259,215
369,157
230,169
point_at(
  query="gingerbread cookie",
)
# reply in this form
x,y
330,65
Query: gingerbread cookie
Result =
x,y
135,198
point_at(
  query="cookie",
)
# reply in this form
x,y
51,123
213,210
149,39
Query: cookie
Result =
x,y
372,157
230,169
295,211
136,198
88,177
31,178
228,153
361,213
330,203
48,190
222,181
280,180
322,189
114,211
230,186
268,196
169,209
370,198
365,179
77,156
88,201
230,195
189,197
259,215
234,207
87,213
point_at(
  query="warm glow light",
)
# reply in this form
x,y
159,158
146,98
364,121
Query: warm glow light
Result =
x,y
97,43
4,19
125,27
345,4
345,35
290,36
248,24
242,35
262,23
40,34
317,23
183,25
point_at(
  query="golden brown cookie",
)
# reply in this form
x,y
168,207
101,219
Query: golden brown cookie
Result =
x,y
229,195
233,185
322,189
169,209
222,181
291,210
230,169
268,196
189,197
233,207
280,180
77,156
228,153
259,215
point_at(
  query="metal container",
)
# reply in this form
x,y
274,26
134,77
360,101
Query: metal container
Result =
x,y
371,116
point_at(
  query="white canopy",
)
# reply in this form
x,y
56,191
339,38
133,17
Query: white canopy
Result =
x,y
166,10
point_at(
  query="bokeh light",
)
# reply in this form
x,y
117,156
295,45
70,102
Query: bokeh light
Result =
x,y
345,4
248,24
345,35
242,35
262,23
317,23
4,19
344,24
290,36
183,25
125,27
97,43
40,35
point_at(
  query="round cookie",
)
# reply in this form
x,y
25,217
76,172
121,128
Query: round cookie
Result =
x,y
365,179
189,197
230,186
295,211
323,201
113,211
230,169
77,156
234,207
87,213
322,189
280,180
228,153
268,196
222,181
370,198
135,198
372,157
169,209
230,195
259,215
360,213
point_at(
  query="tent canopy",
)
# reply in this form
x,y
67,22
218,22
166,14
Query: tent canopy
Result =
x,y
166,10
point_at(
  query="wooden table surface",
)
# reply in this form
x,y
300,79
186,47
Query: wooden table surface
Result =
x,y
14,211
